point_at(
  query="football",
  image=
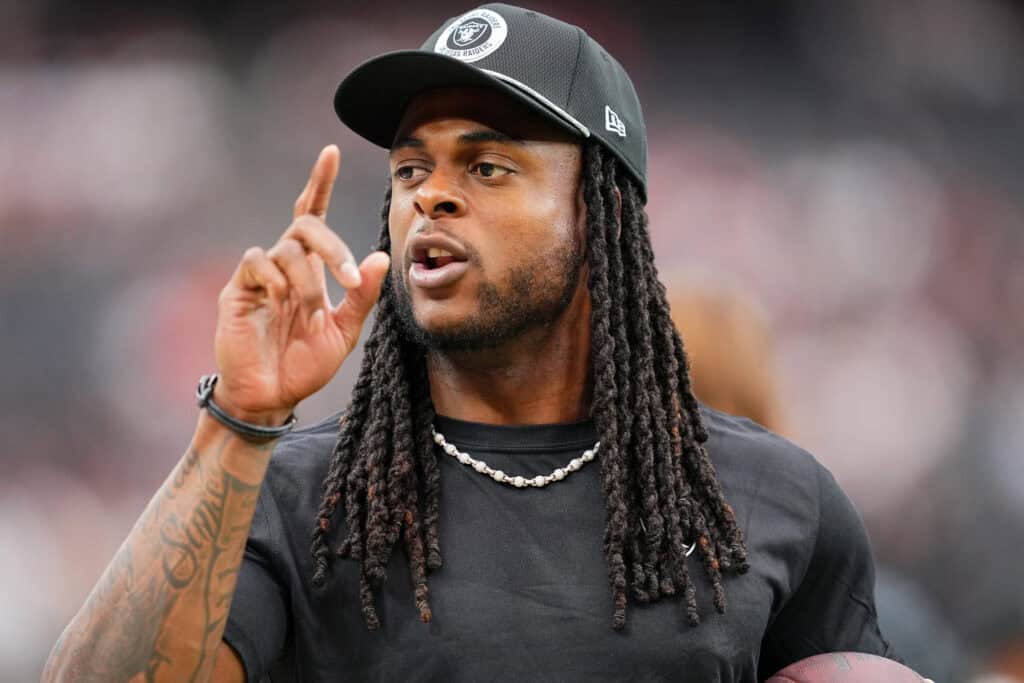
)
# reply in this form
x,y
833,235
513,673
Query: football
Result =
x,y
846,667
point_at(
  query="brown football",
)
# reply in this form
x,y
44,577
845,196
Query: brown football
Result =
x,y
846,667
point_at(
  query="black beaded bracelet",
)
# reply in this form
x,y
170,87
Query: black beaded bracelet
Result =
x,y
204,395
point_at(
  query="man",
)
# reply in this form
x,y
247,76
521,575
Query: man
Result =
x,y
522,426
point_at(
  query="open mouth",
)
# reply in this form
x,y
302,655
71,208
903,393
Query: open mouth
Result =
x,y
434,258
436,268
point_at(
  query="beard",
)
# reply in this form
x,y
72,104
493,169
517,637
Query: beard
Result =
x,y
535,294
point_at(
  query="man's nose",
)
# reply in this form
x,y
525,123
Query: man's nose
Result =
x,y
439,197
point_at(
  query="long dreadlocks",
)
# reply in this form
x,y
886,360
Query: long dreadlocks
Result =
x,y
660,489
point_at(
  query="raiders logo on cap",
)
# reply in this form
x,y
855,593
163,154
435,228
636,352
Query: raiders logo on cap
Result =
x,y
472,36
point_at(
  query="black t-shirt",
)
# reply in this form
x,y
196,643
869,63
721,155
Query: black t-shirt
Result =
x,y
523,594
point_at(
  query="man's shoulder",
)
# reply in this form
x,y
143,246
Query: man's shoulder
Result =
x,y
752,460
734,440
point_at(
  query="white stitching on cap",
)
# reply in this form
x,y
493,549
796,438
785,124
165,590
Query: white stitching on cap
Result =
x,y
543,100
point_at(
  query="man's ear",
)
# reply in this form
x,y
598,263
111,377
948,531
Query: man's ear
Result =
x,y
581,214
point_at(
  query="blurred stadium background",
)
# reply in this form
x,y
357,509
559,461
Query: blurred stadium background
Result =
x,y
853,168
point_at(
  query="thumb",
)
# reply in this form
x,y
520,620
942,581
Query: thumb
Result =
x,y
350,314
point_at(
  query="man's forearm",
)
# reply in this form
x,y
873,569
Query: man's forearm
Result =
x,y
159,610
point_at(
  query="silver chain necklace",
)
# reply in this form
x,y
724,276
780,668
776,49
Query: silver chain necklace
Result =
x,y
522,482
519,482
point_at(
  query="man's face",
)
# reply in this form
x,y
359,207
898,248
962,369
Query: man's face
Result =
x,y
486,220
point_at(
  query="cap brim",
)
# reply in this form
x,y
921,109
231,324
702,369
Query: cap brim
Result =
x,y
372,99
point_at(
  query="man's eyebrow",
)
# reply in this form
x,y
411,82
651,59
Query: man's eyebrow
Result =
x,y
490,136
474,137
407,142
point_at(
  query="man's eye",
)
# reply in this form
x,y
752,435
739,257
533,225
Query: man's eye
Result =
x,y
488,170
408,172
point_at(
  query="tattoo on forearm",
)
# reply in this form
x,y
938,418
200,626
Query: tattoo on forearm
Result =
x,y
187,561
209,530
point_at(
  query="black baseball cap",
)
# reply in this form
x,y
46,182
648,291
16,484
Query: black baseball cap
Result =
x,y
553,67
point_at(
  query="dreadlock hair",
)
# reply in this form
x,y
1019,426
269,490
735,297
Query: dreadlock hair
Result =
x,y
661,492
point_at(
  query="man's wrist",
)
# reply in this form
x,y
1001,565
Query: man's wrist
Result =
x,y
266,418
261,427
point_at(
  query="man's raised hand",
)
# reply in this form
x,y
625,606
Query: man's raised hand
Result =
x,y
279,339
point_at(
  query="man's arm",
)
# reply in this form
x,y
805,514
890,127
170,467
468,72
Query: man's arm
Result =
x,y
227,666
833,609
159,610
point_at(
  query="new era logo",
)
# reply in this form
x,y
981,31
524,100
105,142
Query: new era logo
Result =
x,y
613,123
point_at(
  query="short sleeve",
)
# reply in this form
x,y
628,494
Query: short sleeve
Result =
x,y
258,622
833,609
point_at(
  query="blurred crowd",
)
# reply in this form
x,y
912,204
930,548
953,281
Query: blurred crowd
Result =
x,y
851,171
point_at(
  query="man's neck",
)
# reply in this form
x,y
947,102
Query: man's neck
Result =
x,y
541,377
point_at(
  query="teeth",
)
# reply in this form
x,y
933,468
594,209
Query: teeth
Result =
x,y
434,252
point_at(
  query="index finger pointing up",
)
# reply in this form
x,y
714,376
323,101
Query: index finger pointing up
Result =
x,y
316,196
